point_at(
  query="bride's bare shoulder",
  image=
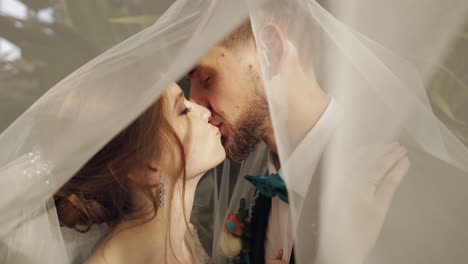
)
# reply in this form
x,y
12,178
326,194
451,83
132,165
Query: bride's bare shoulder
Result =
x,y
98,256
96,259
109,251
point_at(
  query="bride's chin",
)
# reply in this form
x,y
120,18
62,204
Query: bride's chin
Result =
x,y
195,178
217,158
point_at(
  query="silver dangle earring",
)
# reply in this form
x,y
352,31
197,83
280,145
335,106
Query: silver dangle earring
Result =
x,y
162,193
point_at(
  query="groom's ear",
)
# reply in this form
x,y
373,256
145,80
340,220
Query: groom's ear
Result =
x,y
274,43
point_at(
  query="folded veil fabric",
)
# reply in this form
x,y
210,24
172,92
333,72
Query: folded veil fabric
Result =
x,y
360,58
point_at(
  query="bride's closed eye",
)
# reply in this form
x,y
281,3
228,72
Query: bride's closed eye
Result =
x,y
186,110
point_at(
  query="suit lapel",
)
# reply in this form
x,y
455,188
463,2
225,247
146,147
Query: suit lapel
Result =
x,y
310,223
260,219
259,227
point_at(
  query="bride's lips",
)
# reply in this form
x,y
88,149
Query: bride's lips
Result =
x,y
222,130
217,129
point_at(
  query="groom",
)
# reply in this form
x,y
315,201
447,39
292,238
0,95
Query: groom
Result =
x,y
227,81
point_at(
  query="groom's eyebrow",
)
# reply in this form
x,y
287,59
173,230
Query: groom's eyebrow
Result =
x,y
190,74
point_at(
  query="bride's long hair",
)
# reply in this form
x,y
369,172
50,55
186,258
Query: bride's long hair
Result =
x,y
99,192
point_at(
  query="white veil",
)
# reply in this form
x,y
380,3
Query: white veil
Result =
x,y
380,96
46,145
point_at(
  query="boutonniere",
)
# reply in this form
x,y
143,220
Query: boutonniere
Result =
x,y
234,238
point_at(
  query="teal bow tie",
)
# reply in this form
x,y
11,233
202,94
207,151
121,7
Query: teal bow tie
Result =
x,y
270,186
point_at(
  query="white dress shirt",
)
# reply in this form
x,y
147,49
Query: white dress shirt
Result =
x,y
280,234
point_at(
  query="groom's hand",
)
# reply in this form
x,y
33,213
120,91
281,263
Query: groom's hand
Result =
x,y
278,258
356,201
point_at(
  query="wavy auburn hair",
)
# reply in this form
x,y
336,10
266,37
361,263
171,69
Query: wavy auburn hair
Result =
x,y
99,191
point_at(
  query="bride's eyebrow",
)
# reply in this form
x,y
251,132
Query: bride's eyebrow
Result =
x,y
178,97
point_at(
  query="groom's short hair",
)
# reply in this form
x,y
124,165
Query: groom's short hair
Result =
x,y
242,35
285,15
280,12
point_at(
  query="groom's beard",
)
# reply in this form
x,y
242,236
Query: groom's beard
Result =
x,y
249,129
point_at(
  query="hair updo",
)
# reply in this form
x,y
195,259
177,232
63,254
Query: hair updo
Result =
x,y
98,192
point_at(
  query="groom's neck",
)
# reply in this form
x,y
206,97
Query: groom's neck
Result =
x,y
270,140
308,105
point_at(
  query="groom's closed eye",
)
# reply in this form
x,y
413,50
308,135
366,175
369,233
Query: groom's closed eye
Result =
x,y
205,83
200,75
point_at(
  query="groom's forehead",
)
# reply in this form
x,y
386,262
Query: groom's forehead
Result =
x,y
218,59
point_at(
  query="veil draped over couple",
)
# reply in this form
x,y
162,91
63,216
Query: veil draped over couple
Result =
x,y
314,131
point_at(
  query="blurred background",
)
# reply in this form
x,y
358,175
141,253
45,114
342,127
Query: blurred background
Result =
x,y
42,41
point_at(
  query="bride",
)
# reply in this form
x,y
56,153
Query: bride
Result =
x,y
382,98
142,183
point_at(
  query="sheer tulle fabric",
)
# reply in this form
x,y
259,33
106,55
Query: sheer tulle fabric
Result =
x,y
380,98
72,121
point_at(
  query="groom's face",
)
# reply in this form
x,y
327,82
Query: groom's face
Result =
x,y
227,82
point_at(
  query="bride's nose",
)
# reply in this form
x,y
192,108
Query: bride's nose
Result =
x,y
205,114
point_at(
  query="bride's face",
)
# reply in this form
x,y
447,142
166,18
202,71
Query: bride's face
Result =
x,y
200,139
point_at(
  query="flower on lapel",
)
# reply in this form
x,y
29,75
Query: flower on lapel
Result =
x,y
234,225
230,245
231,241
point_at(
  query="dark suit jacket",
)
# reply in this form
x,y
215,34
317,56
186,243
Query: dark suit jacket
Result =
x,y
259,224
426,223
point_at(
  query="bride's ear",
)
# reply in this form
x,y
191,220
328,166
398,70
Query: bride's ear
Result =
x,y
274,44
138,176
134,176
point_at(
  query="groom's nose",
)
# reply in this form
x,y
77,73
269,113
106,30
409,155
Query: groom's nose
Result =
x,y
198,98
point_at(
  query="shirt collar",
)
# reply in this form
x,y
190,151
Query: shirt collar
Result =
x,y
303,161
